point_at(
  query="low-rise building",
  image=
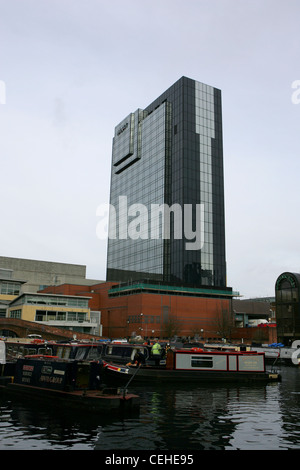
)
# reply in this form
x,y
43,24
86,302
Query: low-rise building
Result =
x,y
23,276
156,310
63,311
9,289
251,312
38,274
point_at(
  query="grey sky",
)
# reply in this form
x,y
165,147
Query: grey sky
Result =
x,y
73,70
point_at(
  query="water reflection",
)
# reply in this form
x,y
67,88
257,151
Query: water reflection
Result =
x,y
31,426
213,417
289,400
197,418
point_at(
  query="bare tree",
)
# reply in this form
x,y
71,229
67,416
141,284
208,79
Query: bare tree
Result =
x,y
224,324
171,327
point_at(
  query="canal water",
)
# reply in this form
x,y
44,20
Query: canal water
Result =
x,y
182,419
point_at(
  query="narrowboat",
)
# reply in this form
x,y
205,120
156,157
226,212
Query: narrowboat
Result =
x,y
79,350
286,354
126,353
20,347
70,383
114,351
197,365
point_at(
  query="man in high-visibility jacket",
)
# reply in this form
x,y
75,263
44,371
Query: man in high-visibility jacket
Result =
x,y
156,352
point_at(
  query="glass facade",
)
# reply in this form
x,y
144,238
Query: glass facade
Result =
x,y
167,191
41,299
287,290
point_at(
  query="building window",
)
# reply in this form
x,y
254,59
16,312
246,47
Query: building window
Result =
x,y
9,288
287,307
50,315
15,313
72,316
62,301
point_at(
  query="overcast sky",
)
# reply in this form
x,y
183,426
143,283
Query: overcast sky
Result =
x,y
71,70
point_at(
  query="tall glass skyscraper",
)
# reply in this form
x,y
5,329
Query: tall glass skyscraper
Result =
x,y
167,191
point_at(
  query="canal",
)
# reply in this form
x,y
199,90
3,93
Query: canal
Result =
x,y
172,418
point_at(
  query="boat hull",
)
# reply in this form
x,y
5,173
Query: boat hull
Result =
x,y
119,374
91,400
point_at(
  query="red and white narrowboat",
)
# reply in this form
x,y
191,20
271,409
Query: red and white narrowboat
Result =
x,y
197,365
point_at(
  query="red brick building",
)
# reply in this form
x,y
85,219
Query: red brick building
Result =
x,y
152,310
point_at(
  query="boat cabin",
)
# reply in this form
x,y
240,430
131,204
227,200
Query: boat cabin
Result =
x,y
232,361
125,353
79,351
14,350
58,374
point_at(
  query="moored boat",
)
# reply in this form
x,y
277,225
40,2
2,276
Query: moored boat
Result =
x,y
75,384
286,354
197,366
79,350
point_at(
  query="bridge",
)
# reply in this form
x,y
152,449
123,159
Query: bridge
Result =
x,y
23,328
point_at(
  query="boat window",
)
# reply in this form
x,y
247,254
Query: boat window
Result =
x,y
128,352
134,351
59,352
63,353
45,351
138,350
29,351
20,351
120,351
14,351
66,353
202,361
80,354
94,353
